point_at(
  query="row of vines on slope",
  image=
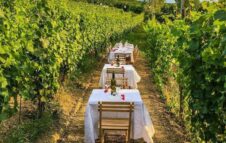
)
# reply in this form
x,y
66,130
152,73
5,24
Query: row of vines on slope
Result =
x,y
127,5
43,40
192,52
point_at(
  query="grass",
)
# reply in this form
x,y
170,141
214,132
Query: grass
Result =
x,y
29,131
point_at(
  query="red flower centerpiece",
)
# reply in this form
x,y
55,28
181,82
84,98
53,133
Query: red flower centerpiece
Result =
x,y
123,97
105,89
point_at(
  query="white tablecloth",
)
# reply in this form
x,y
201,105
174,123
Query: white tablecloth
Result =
x,y
141,121
127,49
129,45
130,73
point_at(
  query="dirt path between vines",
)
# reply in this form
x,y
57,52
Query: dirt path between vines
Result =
x,y
71,124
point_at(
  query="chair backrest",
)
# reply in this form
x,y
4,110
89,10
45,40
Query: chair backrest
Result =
x,y
120,82
122,61
106,106
122,57
116,71
119,107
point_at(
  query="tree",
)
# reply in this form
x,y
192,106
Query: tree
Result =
x,y
155,6
185,6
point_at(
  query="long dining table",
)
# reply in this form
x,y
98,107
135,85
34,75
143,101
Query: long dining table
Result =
x,y
142,126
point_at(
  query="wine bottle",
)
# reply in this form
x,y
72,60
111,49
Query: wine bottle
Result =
x,y
113,84
118,61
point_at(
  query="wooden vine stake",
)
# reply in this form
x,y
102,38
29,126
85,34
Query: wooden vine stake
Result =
x,y
20,111
181,102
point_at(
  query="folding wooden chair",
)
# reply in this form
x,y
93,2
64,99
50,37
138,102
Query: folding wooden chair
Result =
x,y
120,81
115,124
122,57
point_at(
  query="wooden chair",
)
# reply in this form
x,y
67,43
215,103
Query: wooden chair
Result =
x,y
116,71
128,60
115,124
120,81
136,52
122,57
